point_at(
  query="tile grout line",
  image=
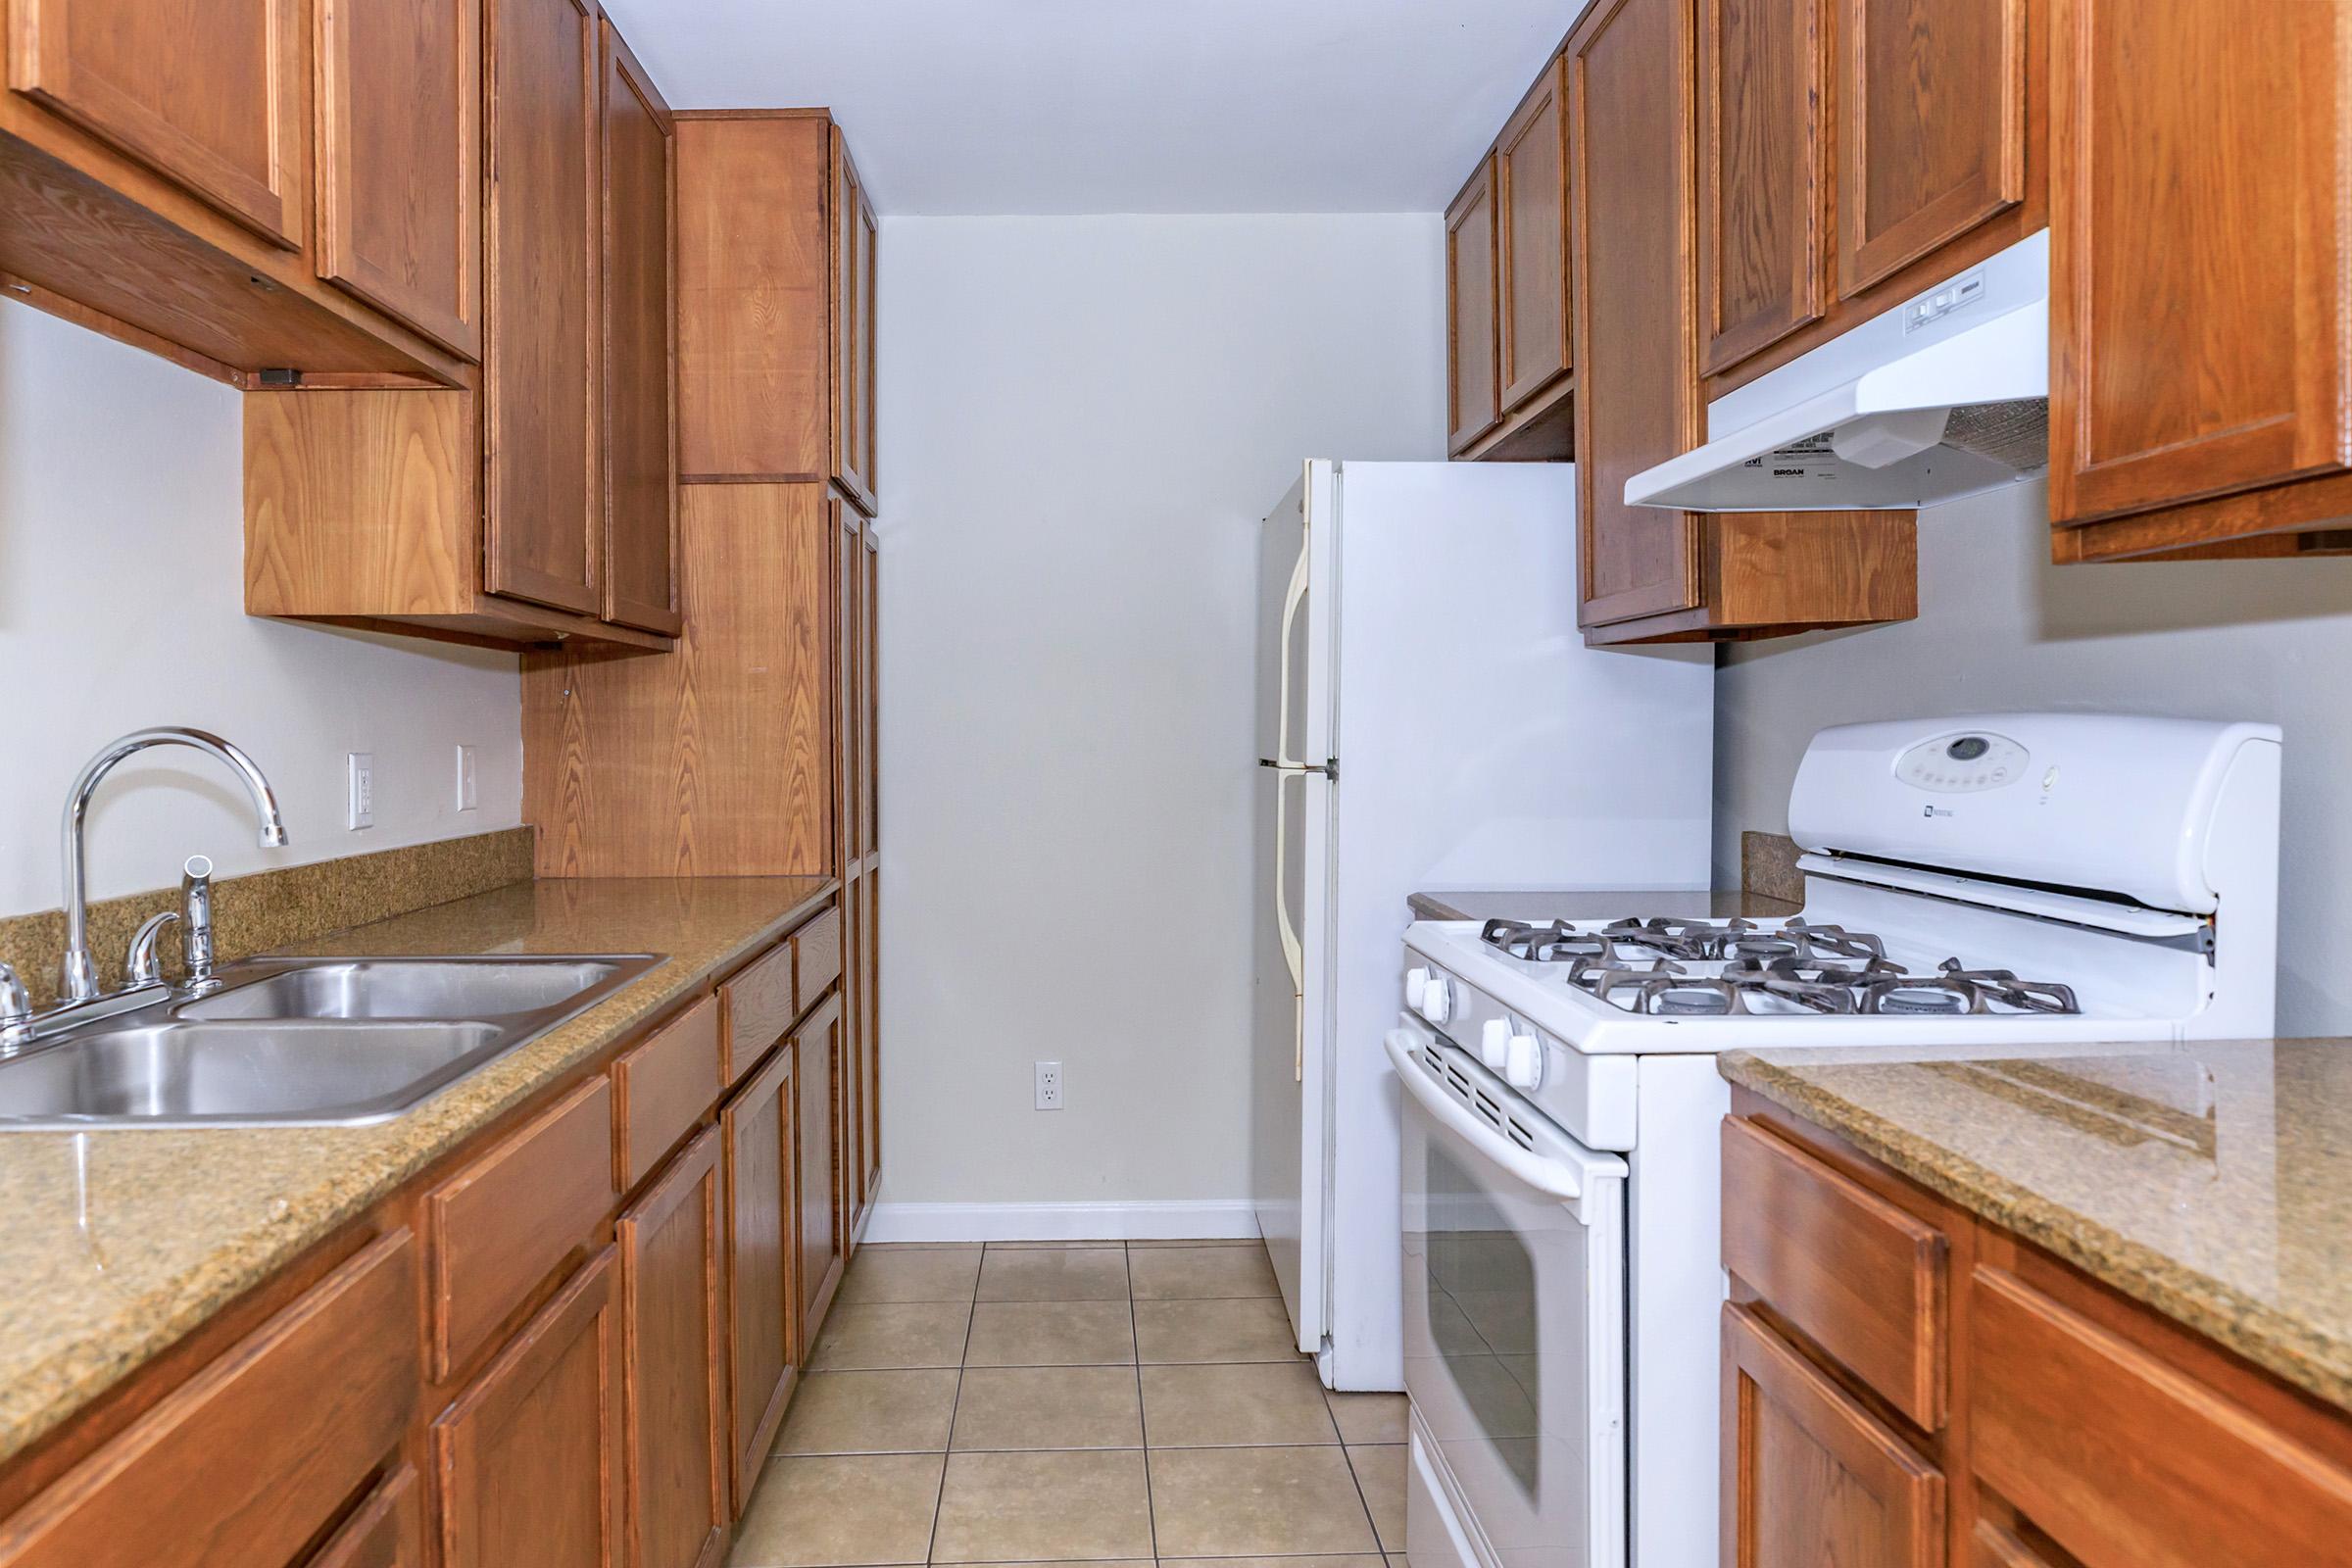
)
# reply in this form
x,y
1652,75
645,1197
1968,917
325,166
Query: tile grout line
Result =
x,y
939,1504
1143,1426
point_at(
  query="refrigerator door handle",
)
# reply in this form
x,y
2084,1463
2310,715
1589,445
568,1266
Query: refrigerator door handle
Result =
x,y
1294,954
1293,597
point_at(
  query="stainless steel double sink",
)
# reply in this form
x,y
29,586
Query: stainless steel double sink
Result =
x,y
302,1042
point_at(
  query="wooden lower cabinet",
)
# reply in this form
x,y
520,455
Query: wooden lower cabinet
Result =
x,y
387,1530
529,1456
673,1398
1809,1475
817,1044
757,1131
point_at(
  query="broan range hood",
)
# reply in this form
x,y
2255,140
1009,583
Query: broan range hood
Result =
x,y
1944,396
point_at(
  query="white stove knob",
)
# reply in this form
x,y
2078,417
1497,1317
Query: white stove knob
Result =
x,y
1523,1062
1416,981
1495,1043
1437,1000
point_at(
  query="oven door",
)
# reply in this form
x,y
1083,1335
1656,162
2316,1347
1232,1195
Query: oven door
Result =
x,y
1514,1314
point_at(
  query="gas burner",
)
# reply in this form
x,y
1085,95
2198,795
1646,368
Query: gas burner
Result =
x,y
1953,988
1540,944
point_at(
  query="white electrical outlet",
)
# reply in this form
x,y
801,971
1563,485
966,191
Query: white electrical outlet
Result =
x,y
468,793
1048,1085
363,790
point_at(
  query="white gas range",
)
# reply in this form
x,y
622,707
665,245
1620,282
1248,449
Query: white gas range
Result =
x,y
2035,879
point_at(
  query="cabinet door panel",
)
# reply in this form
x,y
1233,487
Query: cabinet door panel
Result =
x,y
542,517
206,92
870,1026
756,1129
399,187
1532,163
1760,177
1474,368
1811,1477
853,279
675,1407
817,1045
2199,263
641,448
1630,132
1933,94
530,1455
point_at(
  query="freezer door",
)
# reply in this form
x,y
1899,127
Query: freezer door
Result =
x,y
1291,1085
1294,693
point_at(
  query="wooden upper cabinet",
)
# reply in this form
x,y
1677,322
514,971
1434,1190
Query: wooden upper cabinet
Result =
x,y
2202,269
1810,1476
542,517
640,391
1761,187
1629,138
1931,97
1473,312
1531,162
530,1455
854,234
399,151
206,92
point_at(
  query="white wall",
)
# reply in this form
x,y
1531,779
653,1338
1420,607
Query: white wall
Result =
x,y
121,595
2001,628
1083,420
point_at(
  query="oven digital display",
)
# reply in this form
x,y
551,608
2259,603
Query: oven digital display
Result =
x,y
1960,765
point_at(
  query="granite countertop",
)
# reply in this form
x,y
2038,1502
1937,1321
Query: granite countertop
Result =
x,y
117,1243
1588,905
2211,1180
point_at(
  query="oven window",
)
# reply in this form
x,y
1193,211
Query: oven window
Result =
x,y
1480,1288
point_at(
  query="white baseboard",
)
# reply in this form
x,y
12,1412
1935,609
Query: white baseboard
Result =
x,y
1062,1222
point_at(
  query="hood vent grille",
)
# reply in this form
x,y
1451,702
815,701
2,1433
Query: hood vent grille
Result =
x,y
2016,433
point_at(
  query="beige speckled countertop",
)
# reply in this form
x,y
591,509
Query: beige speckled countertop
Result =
x,y
2212,1181
114,1245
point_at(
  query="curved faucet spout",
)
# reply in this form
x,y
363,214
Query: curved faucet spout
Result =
x,y
77,979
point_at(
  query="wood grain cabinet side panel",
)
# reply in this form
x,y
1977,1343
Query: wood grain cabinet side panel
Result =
x,y
399,150
1811,1477
253,1457
529,1456
209,93
1850,1271
1531,161
542,523
1473,312
504,1225
640,500
2122,1458
1932,94
1630,135
673,1358
664,1086
2201,257
1761,185
387,1530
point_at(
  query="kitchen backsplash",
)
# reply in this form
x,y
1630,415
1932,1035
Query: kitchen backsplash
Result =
x,y
272,908
1768,866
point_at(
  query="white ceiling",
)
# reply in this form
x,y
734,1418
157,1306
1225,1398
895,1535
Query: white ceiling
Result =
x,y
1122,106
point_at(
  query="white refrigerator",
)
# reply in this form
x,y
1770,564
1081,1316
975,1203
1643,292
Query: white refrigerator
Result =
x,y
1427,718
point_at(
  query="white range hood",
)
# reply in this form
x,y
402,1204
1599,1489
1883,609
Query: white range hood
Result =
x,y
1944,396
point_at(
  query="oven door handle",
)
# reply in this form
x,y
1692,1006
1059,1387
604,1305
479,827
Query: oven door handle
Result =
x,y
1547,1176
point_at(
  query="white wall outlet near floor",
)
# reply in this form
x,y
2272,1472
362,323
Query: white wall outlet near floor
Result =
x,y
1048,1085
363,790
469,788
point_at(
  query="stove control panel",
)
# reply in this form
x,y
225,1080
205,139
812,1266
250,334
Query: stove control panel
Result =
x,y
1963,763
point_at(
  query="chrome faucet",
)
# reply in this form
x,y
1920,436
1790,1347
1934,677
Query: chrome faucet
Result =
x,y
78,977
16,1011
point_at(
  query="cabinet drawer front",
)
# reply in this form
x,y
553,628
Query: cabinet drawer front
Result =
x,y
819,944
1854,1273
665,1086
256,1453
2125,1460
502,1227
759,1009
388,1531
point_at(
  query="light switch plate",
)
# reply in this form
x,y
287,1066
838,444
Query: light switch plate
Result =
x,y
363,790
469,790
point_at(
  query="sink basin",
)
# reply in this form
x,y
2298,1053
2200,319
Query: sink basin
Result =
x,y
290,1041
408,987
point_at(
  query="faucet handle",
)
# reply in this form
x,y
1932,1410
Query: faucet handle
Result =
x,y
196,922
16,1009
144,967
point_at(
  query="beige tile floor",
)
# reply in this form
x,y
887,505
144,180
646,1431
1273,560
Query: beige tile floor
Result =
x,y
1113,1405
